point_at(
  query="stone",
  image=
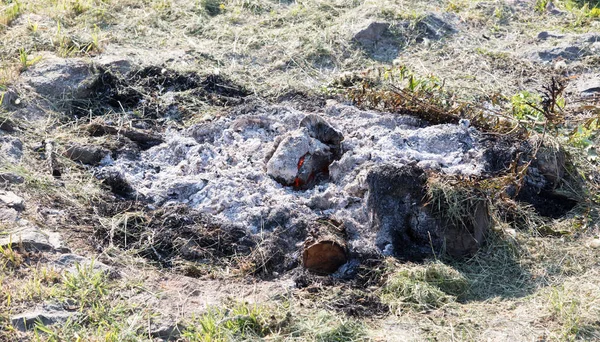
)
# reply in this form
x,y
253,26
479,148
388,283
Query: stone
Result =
x,y
11,178
46,315
546,34
69,263
372,34
379,41
298,147
88,154
570,53
58,78
28,237
433,26
595,243
9,99
167,332
11,200
11,149
589,87
8,215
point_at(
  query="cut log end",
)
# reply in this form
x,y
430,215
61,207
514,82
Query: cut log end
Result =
x,y
324,257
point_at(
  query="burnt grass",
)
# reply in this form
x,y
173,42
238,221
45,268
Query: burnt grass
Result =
x,y
140,91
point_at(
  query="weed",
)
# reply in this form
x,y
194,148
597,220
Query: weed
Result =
x,y
25,61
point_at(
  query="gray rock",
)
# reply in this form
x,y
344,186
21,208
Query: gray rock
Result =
x,y
286,161
546,34
8,215
373,34
87,154
11,178
570,53
46,315
28,237
11,200
167,332
114,63
589,87
69,263
11,149
58,78
434,26
9,99
591,37
379,41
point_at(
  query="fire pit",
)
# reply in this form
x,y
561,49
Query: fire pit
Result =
x,y
277,167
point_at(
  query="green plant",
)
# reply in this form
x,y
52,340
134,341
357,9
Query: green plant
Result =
x,y
25,61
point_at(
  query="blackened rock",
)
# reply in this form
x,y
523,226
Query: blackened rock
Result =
x,y
407,228
319,129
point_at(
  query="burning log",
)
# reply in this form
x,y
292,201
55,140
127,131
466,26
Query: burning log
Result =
x,y
325,248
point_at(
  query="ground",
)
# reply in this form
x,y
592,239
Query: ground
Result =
x,y
92,262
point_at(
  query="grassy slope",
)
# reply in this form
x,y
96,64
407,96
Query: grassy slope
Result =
x,y
521,287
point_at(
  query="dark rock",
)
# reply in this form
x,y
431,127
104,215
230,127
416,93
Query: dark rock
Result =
x,y
116,181
407,228
87,154
589,87
379,41
46,315
7,177
9,99
372,34
545,35
319,129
